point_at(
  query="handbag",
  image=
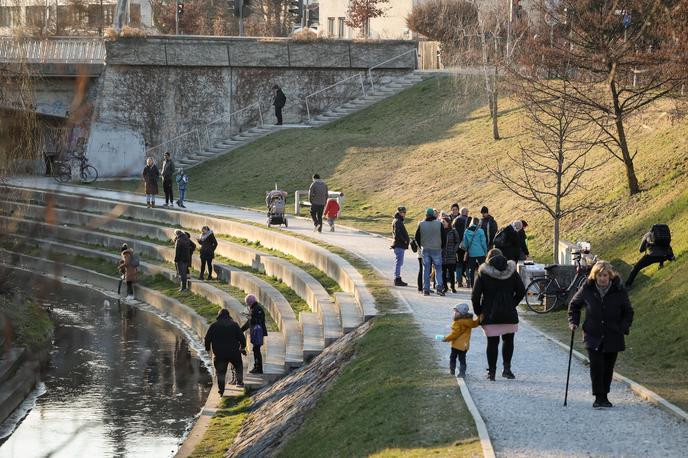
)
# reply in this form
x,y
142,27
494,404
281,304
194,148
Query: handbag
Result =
x,y
414,245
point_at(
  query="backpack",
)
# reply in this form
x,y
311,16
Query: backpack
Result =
x,y
257,335
500,239
660,235
134,261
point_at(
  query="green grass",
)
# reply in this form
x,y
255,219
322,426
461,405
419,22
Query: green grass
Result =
x,y
224,427
202,306
30,323
382,406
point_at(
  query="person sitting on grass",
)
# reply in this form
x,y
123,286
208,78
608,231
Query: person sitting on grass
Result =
x,y
460,337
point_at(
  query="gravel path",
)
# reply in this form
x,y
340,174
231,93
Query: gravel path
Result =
x,y
525,417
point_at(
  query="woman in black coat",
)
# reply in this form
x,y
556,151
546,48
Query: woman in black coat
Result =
x,y
497,291
258,329
208,244
608,317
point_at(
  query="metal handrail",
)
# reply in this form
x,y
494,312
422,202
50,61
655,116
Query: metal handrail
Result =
x,y
370,70
71,50
198,140
229,117
358,75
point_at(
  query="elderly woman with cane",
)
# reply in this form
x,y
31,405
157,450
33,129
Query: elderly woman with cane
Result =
x,y
608,317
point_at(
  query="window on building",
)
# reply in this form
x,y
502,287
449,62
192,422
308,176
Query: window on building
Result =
x,y
340,27
330,26
10,16
35,16
135,14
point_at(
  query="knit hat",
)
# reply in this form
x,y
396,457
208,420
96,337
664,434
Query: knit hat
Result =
x,y
484,210
430,212
124,248
461,309
250,300
499,263
401,209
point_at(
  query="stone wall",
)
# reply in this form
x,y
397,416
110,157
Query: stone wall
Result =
x,y
159,88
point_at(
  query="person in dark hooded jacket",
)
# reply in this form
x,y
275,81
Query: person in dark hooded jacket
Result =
x,y
258,330
510,239
400,245
182,257
608,317
208,244
497,291
228,344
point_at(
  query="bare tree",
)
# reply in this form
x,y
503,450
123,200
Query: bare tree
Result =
x,y
619,58
549,170
360,12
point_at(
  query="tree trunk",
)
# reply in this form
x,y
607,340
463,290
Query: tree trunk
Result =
x,y
633,186
493,107
555,257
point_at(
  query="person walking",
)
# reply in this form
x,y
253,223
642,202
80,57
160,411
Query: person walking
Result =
x,y
509,241
608,318
182,257
460,337
460,223
419,251
475,243
208,244
497,292
400,244
657,245
128,267
150,174
258,331
228,344
449,255
168,179
331,212
432,239
279,100
489,226
318,195
182,181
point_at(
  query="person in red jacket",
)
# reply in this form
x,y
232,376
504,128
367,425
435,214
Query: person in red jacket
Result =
x,y
331,212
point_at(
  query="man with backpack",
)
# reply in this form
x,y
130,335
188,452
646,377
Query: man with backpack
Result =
x,y
657,246
256,325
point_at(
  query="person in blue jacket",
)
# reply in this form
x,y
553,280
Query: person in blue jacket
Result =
x,y
475,244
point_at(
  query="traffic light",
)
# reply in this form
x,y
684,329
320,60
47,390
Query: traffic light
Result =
x,y
296,10
180,9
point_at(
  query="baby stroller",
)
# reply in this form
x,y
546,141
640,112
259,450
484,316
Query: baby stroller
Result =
x,y
276,201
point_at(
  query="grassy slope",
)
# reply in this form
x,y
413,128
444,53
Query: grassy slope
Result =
x,y
415,149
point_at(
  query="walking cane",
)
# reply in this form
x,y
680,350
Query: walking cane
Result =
x,y
568,371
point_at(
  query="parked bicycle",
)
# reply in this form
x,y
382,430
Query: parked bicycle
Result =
x,y
62,169
543,293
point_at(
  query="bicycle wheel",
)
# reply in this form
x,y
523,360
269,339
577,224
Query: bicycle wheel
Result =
x,y
540,297
62,173
89,174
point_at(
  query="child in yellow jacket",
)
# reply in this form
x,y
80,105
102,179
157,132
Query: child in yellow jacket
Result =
x,y
460,337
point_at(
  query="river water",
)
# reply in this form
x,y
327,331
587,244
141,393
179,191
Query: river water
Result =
x,y
121,382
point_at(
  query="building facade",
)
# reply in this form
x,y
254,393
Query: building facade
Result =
x,y
391,26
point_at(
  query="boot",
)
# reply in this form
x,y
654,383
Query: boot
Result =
x,y
506,373
399,282
462,371
491,375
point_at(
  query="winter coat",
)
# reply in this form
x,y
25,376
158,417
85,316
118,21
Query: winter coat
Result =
x,y
489,225
331,209
476,248
182,249
461,223
451,247
318,193
257,317
130,272
226,339
399,232
511,246
497,293
655,250
167,169
182,180
606,320
430,234
208,244
280,99
151,174
460,336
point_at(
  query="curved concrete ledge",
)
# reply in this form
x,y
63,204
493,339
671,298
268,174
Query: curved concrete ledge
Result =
x,y
274,300
18,376
333,265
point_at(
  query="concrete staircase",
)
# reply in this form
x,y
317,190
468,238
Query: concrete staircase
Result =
x,y
386,87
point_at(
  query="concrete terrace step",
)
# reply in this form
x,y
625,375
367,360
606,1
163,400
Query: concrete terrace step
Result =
x,y
313,341
352,315
14,390
10,362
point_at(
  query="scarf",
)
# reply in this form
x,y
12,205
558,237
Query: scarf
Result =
x,y
205,236
603,290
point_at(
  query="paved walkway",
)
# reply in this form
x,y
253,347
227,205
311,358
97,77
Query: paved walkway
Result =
x,y
524,417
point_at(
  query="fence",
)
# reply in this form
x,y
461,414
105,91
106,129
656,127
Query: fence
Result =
x,y
179,147
224,130
53,50
360,78
370,70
